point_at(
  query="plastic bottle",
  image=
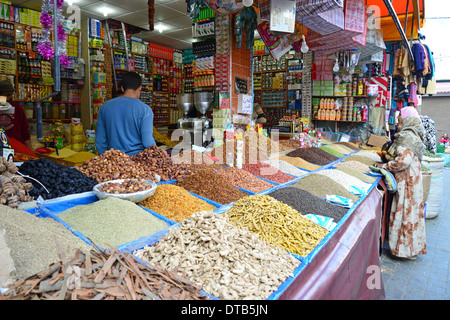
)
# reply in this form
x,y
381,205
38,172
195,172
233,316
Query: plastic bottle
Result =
x,y
230,160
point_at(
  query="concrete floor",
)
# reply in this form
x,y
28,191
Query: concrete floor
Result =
x,y
428,277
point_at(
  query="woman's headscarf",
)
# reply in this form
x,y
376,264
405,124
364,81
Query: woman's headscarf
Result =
x,y
411,135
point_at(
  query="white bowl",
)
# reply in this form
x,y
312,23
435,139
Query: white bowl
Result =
x,y
134,197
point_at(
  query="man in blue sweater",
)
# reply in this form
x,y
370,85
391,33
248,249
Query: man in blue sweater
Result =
x,y
125,123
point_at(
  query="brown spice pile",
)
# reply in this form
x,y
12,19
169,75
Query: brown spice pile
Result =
x,y
211,186
244,179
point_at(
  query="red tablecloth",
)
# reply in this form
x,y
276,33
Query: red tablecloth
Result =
x,y
348,265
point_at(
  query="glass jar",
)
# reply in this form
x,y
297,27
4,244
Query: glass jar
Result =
x,y
62,111
69,111
55,111
46,112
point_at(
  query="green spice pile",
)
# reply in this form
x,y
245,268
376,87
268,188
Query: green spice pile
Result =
x,y
112,222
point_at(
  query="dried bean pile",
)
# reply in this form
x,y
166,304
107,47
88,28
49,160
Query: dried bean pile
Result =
x,y
356,165
197,167
103,275
229,263
57,178
309,155
211,186
158,162
300,163
268,172
357,174
277,223
112,165
344,179
175,203
321,186
362,159
244,179
324,154
286,167
34,241
13,188
191,157
112,222
332,151
306,203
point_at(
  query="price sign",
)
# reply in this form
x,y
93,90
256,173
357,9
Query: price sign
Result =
x,y
245,104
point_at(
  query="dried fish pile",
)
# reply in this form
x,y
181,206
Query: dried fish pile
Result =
x,y
243,179
321,186
277,223
175,203
101,275
33,241
111,222
230,263
307,203
211,186
286,167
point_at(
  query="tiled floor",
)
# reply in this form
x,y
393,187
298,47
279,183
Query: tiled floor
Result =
x,y
428,277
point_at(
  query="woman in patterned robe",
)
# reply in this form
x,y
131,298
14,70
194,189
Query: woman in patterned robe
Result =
x,y
407,223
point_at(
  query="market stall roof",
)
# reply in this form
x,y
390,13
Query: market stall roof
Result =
x,y
390,31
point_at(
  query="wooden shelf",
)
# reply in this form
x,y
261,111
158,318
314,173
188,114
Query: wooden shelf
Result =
x,y
340,120
343,96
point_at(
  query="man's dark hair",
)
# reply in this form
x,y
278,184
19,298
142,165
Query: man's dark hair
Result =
x,y
131,80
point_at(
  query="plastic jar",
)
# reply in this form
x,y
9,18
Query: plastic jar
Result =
x,y
46,112
55,111
69,111
62,111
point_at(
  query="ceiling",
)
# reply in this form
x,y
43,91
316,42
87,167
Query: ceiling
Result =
x,y
170,15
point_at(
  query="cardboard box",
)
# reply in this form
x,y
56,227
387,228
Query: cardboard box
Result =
x,y
377,141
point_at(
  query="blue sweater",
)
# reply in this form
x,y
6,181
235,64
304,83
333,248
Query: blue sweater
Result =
x,y
124,124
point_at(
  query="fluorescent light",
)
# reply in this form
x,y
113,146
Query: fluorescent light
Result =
x,y
105,11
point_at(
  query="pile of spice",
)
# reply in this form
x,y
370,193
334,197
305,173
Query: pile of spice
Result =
x,y
250,153
244,179
34,241
370,154
300,163
58,179
158,161
103,275
114,164
321,186
324,154
350,145
332,151
263,143
277,223
191,157
286,167
229,263
356,165
308,154
290,144
307,203
367,161
340,148
80,157
344,179
211,186
175,203
268,172
357,174
111,222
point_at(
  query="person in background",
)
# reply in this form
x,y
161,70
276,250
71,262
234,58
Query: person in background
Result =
x,y
125,123
407,221
13,120
445,139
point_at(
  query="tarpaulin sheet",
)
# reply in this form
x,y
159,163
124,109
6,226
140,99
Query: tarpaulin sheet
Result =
x,y
348,266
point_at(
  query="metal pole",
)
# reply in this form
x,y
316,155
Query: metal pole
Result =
x,y
108,32
56,75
